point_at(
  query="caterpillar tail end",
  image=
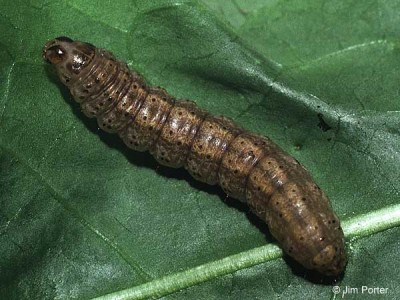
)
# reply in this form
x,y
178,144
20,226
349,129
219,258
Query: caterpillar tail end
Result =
x,y
330,261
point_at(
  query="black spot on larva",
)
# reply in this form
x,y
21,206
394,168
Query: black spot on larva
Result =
x,y
180,139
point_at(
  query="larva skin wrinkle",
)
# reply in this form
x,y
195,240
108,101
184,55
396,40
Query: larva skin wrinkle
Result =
x,y
213,149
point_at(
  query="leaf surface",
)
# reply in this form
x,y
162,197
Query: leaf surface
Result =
x,y
81,216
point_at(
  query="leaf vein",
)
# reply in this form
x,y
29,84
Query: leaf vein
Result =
x,y
74,213
357,227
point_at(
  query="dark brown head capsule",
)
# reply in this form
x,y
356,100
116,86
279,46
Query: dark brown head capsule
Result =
x,y
69,57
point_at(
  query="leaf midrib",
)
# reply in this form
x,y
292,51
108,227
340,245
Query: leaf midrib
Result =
x,y
354,228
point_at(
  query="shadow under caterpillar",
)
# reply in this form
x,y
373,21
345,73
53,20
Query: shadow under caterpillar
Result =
x,y
213,149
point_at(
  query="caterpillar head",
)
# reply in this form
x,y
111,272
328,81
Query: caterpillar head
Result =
x,y
69,57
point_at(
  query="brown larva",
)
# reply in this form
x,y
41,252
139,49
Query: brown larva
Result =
x,y
213,149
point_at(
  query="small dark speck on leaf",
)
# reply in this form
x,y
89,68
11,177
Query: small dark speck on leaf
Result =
x,y
322,124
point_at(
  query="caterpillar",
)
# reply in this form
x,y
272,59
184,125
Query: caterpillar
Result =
x,y
213,149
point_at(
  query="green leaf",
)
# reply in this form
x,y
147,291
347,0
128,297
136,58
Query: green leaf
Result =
x,y
81,216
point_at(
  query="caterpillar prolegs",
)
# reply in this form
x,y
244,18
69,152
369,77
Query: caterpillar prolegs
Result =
x,y
213,149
